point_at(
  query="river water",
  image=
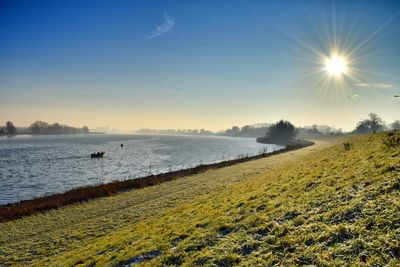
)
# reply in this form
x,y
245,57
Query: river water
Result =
x,y
32,166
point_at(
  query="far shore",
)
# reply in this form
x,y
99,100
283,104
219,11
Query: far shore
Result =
x,y
28,207
44,134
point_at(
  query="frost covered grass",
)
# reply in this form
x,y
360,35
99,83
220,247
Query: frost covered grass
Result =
x,y
320,205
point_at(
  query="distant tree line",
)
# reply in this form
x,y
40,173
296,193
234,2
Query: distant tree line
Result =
x,y
246,131
173,131
8,129
372,124
319,130
41,127
235,131
262,129
282,132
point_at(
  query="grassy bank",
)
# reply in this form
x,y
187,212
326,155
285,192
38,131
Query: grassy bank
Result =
x,y
321,205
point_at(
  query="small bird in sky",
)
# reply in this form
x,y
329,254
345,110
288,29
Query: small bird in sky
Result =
x,y
353,96
396,95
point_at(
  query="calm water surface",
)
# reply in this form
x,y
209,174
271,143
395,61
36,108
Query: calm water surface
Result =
x,y
32,166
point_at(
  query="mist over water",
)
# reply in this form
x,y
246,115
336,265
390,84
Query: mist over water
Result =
x,y
32,166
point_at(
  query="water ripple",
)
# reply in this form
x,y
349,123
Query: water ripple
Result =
x,y
41,165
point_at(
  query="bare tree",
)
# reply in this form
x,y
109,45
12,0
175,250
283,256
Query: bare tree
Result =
x,y
10,128
373,124
396,125
376,123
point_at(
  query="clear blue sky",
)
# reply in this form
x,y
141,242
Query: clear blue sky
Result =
x,y
197,64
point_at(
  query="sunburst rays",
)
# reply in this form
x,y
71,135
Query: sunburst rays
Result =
x,y
339,63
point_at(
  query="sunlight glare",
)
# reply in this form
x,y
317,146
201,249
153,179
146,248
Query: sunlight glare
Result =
x,y
336,65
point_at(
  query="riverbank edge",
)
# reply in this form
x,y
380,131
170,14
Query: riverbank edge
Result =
x,y
32,134
28,207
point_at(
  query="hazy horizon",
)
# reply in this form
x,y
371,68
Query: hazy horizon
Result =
x,y
191,65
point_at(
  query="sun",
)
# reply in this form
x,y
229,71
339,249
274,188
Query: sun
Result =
x,y
336,65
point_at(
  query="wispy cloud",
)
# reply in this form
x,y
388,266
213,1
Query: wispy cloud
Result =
x,y
374,85
167,26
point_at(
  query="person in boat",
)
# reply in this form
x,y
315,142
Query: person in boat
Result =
x,y
97,155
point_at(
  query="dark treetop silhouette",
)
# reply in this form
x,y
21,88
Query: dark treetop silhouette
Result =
x,y
279,133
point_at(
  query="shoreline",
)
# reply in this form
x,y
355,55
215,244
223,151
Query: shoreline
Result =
x,y
31,134
28,207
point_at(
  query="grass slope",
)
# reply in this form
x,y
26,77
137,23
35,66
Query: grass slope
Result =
x,y
321,205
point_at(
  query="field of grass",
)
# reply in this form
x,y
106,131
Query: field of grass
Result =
x,y
322,205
